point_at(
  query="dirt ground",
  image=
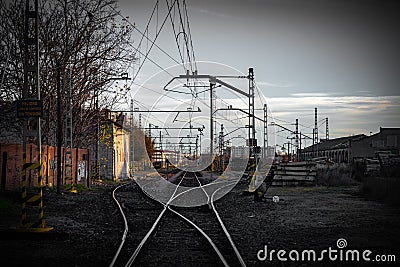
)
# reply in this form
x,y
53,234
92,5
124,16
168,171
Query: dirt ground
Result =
x,y
88,227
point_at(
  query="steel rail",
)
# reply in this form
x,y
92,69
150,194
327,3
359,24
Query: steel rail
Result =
x,y
125,223
204,234
242,263
211,201
153,227
167,206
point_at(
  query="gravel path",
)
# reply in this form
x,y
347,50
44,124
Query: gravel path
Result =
x,y
90,227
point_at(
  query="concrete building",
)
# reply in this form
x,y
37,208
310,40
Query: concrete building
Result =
x,y
387,142
346,149
114,149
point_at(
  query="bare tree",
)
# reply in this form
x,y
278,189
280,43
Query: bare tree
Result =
x,y
86,36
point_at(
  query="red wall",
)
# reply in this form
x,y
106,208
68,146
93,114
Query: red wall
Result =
x,y
11,166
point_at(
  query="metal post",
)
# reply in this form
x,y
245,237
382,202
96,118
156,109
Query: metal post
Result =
x,y
221,147
212,84
252,142
265,150
313,138
300,146
96,107
316,126
149,132
131,147
31,130
300,141
68,132
59,130
197,147
161,148
327,129
297,137
316,132
252,131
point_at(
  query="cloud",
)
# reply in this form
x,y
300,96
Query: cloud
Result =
x,y
215,14
280,85
310,94
347,114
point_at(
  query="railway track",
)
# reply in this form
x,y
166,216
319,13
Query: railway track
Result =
x,y
174,236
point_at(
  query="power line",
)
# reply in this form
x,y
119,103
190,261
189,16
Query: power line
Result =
x,y
175,36
144,36
190,35
157,34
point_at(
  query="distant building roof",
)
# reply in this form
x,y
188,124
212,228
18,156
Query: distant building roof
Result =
x,y
393,130
341,142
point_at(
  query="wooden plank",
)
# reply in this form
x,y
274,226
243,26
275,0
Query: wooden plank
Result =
x,y
296,168
294,178
296,173
298,164
292,183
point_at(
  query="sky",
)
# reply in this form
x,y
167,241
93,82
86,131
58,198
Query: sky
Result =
x,y
340,56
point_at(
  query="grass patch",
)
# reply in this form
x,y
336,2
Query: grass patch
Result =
x,y
77,187
336,175
107,181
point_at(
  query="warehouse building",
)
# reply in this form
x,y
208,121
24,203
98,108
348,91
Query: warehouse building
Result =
x,y
347,149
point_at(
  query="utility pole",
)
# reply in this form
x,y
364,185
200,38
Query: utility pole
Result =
x,y
212,100
213,81
313,136
297,137
221,147
96,107
299,151
316,126
265,150
327,129
131,142
59,129
291,131
252,143
160,135
197,148
29,109
68,131
316,132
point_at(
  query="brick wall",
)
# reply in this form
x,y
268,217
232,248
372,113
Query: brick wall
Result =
x,y
11,166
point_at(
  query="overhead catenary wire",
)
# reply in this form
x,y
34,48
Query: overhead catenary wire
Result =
x,y
184,22
147,38
185,35
157,34
190,35
175,34
136,49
